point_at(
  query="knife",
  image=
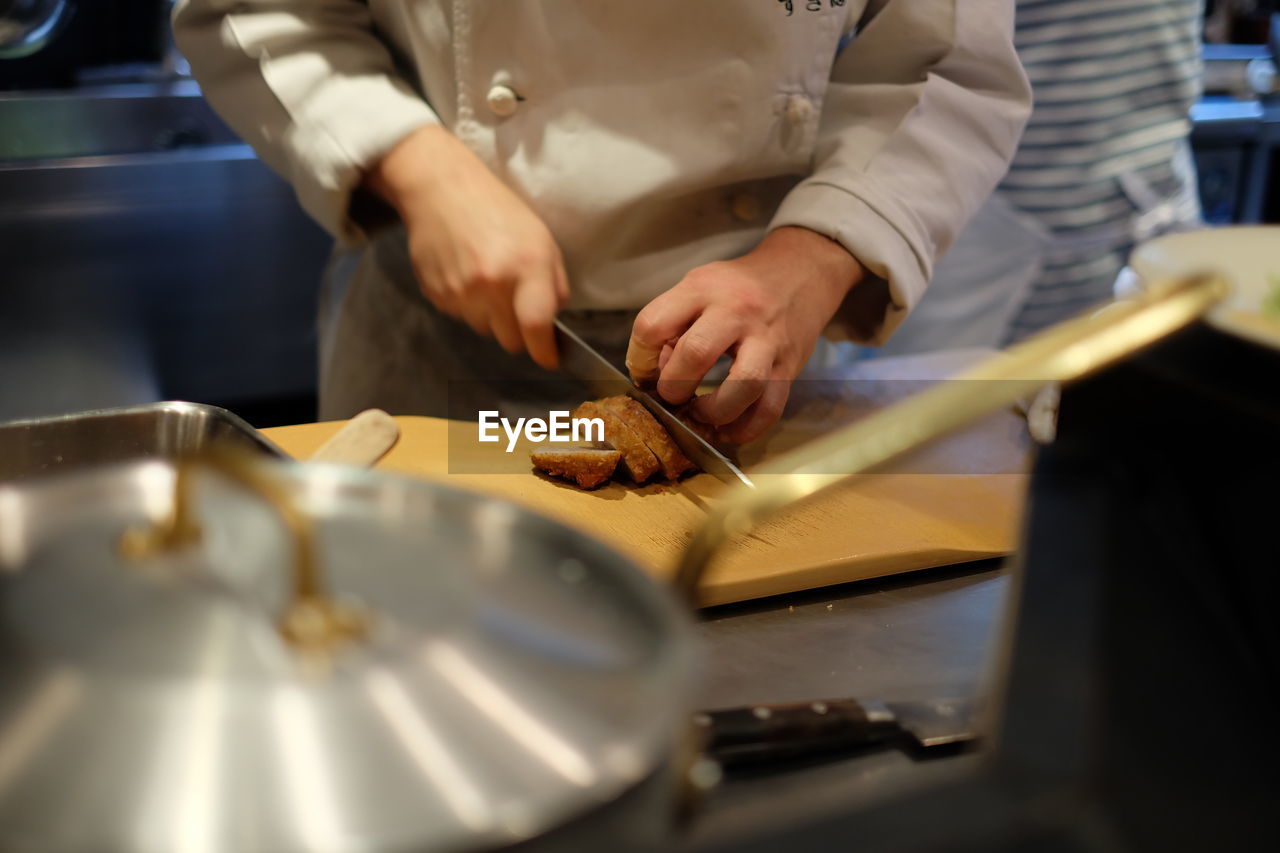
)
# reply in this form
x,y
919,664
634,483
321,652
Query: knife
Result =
x,y
580,360
762,733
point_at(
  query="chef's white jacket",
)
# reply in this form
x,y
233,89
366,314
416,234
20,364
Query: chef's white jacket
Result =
x,y
652,136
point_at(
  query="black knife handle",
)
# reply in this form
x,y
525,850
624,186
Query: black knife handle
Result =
x,y
761,733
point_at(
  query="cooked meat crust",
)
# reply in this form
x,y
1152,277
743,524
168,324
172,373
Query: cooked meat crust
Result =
x,y
587,466
639,460
639,442
653,434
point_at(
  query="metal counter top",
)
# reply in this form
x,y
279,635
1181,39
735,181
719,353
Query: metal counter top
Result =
x,y
914,636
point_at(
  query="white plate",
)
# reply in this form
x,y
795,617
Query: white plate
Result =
x,y
1248,256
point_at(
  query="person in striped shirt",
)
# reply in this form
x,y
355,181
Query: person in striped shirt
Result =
x,y
1104,165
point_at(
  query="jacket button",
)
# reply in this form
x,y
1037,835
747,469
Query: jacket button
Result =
x,y
502,100
799,109
745,207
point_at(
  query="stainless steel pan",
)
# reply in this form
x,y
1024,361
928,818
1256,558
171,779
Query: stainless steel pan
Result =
x,y
169,677
31,448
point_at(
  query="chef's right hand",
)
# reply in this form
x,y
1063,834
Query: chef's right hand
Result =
x,y
480,253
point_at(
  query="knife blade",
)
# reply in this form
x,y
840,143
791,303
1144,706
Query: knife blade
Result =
x,y
581,361
762,733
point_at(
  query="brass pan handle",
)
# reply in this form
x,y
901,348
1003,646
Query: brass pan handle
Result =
x,y
312,621
1062,353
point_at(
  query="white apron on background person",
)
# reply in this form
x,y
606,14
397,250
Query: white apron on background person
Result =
x,y
650,137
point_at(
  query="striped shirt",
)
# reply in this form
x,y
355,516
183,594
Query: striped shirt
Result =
x,y
1114,83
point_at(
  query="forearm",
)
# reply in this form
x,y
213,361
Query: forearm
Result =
x,y
829,268
412,170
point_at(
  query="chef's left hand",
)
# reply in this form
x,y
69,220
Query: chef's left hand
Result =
x,y
766,309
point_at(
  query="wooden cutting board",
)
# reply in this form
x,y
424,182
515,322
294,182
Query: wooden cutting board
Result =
x,y
960,500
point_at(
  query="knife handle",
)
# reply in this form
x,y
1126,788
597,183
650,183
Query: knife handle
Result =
x,y
762,733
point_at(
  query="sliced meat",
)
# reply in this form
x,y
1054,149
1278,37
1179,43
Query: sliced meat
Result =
x,y
586,466
640,462
653,434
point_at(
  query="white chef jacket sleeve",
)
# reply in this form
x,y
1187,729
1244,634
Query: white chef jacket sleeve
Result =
x,y
922,116
309,85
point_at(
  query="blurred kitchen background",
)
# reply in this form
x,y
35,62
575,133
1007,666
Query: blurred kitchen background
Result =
x,y
146,254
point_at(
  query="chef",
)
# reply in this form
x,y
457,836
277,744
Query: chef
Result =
x,y
683,181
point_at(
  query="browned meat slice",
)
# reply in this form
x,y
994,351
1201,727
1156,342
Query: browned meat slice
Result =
x,y
586,466
653,434
640,462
